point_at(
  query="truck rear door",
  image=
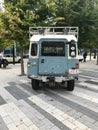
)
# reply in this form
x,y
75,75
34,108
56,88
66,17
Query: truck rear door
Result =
x,y
53,57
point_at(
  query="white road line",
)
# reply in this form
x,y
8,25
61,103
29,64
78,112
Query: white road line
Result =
x,y
89,85
90,77
86,96
91,71
91,94
70,111
7,96
58,114
24,81
34,115
78,99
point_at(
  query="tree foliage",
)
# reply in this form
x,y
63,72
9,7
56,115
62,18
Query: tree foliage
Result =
x,y
15,22
19,15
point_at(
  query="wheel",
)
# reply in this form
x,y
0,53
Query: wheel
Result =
x,y
35,84
5,63
70,85
19,61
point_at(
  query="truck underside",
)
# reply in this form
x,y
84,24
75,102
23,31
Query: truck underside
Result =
x,y
36,84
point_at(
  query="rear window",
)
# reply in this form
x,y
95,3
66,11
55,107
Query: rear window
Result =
x,y
53,48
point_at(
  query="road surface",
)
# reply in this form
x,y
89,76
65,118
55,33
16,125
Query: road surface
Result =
x,y
22,108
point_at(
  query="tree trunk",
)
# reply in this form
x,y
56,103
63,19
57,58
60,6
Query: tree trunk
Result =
x,y
90,53
22,62
97,57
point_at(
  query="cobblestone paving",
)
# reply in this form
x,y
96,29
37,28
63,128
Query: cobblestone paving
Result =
x,y
22,108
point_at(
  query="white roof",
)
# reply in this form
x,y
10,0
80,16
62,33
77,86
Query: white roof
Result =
x,y
67,37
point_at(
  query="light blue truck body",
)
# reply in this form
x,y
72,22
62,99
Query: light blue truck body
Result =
x,y
53,59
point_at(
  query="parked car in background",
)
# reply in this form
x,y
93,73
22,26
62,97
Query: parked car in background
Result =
x,y
25,57
9,58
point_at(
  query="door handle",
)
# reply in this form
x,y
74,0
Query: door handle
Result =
x,y
42,60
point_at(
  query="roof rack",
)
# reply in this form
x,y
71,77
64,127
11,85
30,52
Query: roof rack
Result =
x,y
53,31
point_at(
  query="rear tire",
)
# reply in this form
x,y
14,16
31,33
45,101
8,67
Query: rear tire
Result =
x,y
35,84
19,61
5,63
70,85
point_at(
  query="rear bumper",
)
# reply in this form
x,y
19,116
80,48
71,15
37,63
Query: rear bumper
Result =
x,y
58,79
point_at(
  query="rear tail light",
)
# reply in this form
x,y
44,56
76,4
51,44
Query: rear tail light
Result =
x,y
28,63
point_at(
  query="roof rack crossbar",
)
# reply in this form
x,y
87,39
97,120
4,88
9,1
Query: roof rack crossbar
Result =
x,y
53,30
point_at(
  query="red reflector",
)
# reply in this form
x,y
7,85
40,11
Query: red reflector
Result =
x,y
28,63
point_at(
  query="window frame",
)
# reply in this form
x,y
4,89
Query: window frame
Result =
x,y
53,46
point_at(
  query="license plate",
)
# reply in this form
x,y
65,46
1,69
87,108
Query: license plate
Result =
x,y
73,71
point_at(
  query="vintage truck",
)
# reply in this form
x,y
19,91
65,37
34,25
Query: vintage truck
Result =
x,y
53,56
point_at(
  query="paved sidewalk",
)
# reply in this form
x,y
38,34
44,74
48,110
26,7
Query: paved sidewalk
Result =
x,y
22,108
90,64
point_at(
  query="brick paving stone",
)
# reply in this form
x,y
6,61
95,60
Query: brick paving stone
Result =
x,y
12,120
42,104
3,126
96,123
51,109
